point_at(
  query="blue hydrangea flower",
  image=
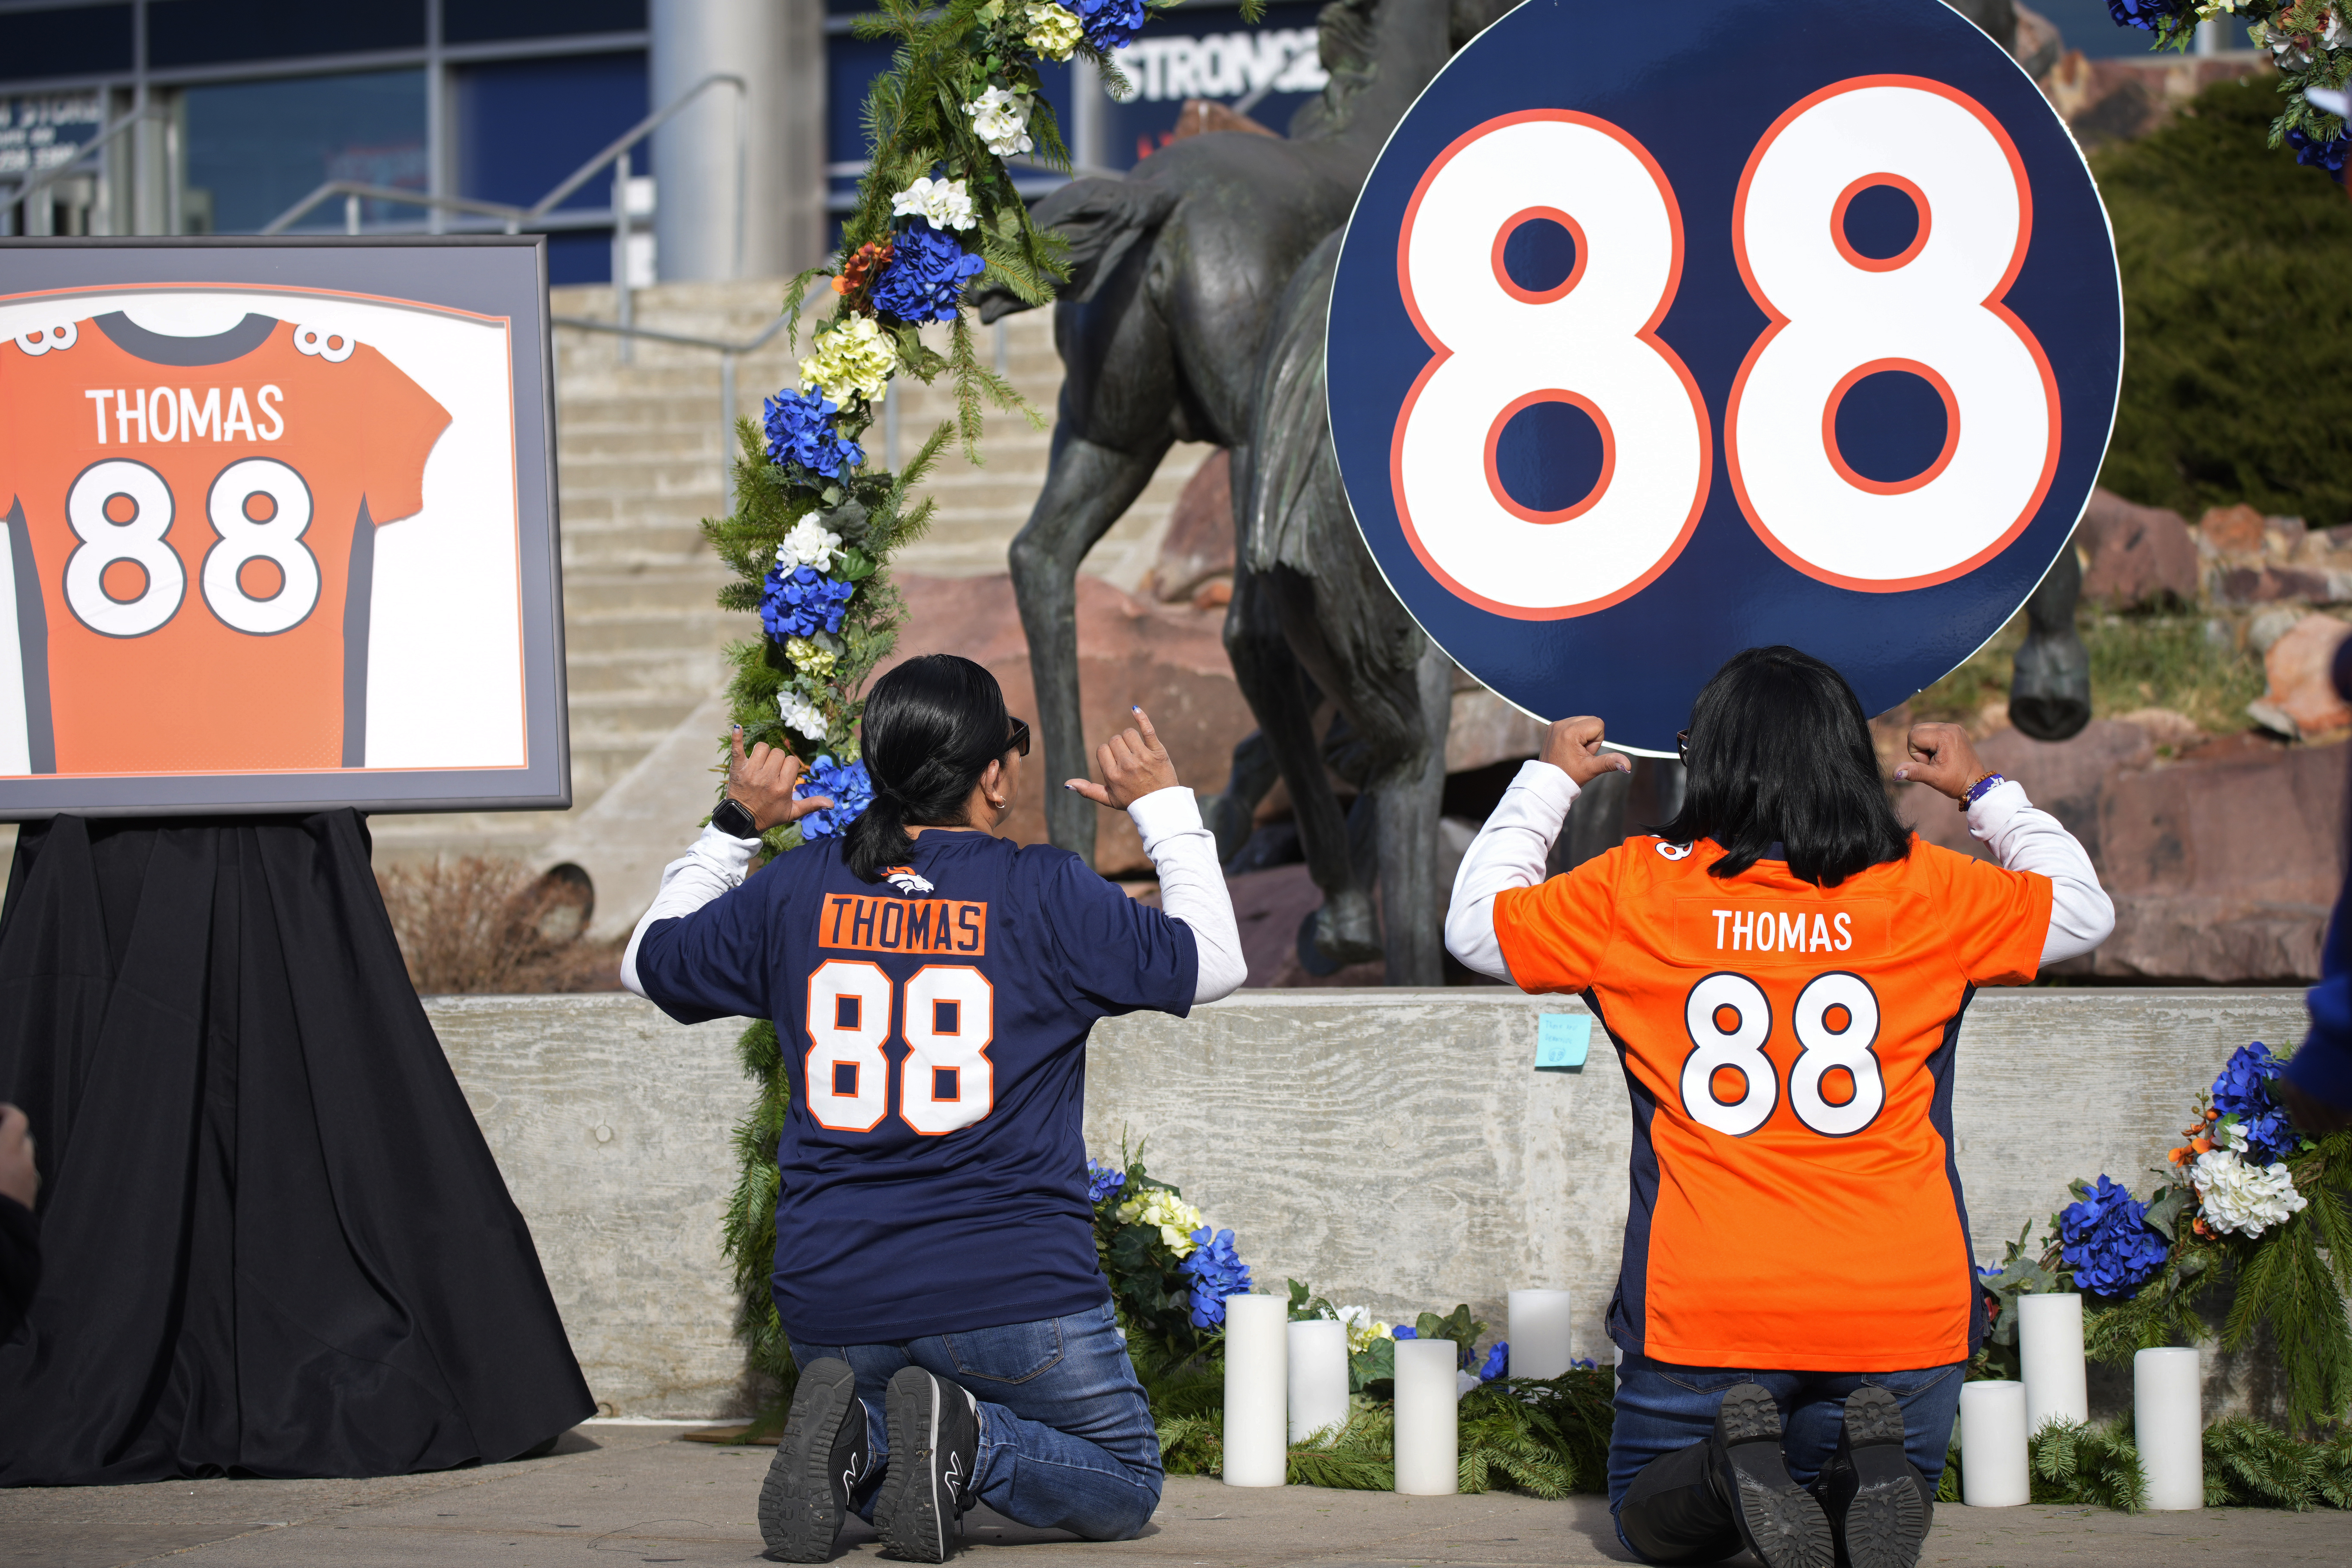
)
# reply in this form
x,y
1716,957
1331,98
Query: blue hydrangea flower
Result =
x,y
1216,1274
1498,1361
924,282
2244,1090
2314,154
845,785
802,602
2108,1243
1109,23
801,430
1402,1333
1103,1180
2146,15
1585,1364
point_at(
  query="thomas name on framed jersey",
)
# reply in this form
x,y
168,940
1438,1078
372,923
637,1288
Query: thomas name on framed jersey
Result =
x,y
279,527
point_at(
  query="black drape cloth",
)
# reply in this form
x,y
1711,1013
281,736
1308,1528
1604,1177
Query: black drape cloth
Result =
x,y
274,1240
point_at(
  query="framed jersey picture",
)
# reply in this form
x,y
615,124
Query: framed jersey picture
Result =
x,y
281,528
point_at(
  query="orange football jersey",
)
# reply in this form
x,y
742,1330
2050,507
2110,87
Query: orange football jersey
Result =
x,y
1789,1050
191,529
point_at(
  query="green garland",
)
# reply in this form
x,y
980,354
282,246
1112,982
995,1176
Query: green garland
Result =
x,y
2307,40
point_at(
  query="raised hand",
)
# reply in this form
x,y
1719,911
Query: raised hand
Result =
x,y
764,782
18,1177
1573,746
1133,765
1943,758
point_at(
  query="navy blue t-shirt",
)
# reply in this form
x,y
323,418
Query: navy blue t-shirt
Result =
x,y
934,1025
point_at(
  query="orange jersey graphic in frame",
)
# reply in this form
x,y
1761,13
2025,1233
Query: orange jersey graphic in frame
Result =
x,y
191,526
1789,1050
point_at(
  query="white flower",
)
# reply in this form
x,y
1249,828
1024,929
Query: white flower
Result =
x,y
945,203
810,544
1053,31
1000,117
853,357
1176,1218
2244,1198
1362,1328
800,714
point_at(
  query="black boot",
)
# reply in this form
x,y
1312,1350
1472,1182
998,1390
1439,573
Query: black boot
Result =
x,y
1673,1514
1779,1520
1879,1506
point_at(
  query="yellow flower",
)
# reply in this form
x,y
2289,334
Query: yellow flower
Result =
x,y
1176,1219
853,357
805,655
1053,31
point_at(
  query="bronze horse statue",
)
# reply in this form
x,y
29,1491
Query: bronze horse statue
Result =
x,y
1176,269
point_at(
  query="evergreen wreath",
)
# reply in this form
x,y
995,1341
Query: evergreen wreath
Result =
x,y
814,524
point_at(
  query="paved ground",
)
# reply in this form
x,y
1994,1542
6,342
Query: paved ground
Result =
x,y
614,1493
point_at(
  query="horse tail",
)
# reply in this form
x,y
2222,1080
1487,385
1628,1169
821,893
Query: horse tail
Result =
x,y
1101,220
1292,494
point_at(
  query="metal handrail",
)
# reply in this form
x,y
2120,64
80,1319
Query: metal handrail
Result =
x,y
517,216
33,185
727,353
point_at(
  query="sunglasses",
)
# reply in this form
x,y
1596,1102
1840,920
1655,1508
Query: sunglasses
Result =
x,y
1019,744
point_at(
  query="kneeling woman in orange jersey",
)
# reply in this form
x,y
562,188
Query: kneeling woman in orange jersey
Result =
x,y
1783,969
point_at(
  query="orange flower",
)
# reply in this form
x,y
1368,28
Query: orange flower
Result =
x,y
2178,1156
869,259
2212,1116
2202,1145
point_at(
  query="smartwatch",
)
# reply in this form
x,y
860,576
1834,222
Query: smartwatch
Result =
x,y
734,819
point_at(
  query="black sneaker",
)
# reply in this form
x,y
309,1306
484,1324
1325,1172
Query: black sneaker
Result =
x,y
1878,1504
819,1463
934,1442
1780,1521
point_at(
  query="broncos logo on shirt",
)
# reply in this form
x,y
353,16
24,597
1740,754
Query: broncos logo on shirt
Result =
x,y
903,877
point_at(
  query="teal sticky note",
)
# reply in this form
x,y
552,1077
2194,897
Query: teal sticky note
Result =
x,y
1561,1039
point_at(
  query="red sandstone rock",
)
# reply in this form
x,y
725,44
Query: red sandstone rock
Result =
x,y
2302,699
1198,543
2234,529
1201,115
2139,554
1170,660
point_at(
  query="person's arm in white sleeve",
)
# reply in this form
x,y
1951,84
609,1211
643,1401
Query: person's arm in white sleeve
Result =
x,y
1192,886
765,784
2027,839
2022,836
1511,849
1140,779
715,863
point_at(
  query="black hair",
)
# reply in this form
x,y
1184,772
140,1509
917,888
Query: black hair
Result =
x,y
1780,753
931,728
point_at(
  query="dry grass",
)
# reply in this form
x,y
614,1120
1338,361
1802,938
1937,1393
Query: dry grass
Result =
x,y
477,925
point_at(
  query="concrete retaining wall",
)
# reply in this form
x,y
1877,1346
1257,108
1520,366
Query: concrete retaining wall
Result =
x,y
1390,1147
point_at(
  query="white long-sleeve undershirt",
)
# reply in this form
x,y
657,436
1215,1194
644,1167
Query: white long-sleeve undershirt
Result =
x,y
1182,851
1511,850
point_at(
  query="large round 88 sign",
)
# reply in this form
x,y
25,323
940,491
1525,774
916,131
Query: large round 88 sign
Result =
x,y
1793,323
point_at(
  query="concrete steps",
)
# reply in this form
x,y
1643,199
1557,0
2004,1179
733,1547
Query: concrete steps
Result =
x,y
642,459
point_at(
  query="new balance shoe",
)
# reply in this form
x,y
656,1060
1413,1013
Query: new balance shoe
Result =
x,y
1879,1506
820,1460
1780,1521
934,1429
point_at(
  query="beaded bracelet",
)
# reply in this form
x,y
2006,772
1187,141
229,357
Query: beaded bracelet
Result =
x,y
1977,790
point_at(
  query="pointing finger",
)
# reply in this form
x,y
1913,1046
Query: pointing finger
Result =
x,y
740,758
1143,721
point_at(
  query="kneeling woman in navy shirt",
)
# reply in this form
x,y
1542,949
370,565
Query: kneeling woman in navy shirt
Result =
x,y
933,986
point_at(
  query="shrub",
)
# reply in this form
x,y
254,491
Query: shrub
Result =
x,y
482,925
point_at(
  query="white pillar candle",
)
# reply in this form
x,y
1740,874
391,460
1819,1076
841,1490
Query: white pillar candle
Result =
x,y
1428,1420
1992,1445
1257,1387
1318,1377
2050,1344
2169,1423
1539,1329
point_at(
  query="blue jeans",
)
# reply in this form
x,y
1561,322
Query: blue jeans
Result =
x,y
1661,1409
1066,1434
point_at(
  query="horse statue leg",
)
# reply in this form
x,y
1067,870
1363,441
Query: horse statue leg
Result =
x,y
1088,487
1409,796
2049,689
1272,681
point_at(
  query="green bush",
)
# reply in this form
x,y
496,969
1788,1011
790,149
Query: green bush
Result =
x,y
2237,375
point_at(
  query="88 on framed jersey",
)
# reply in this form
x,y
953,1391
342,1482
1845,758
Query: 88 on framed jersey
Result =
x,y
1796,324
